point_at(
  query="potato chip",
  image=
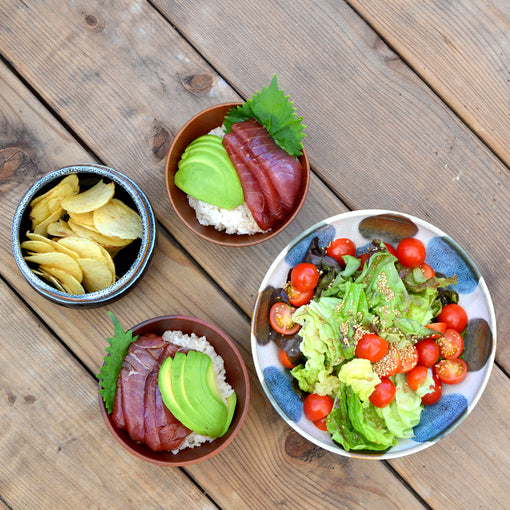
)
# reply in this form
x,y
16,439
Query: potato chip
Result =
x,y
59,228
85,219
103,240
48,277
116,219
70,284
36,246
88,249
67,186
41,228
90,199
96,274
58,260
49,245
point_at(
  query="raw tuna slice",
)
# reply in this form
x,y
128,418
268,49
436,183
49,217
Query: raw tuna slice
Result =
x,y
263,168
163,431
142,357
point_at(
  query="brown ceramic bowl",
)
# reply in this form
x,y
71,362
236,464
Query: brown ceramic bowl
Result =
x,y
236,375
200,125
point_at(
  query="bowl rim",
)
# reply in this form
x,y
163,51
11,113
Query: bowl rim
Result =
x,y
241,240
388,454
138,266
153,458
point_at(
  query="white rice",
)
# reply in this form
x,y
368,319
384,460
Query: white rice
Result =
x,y
193,342
233,221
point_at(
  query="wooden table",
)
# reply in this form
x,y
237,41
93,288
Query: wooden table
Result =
x,y
407,106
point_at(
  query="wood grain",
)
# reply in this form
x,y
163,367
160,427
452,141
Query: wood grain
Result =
x,y
461,49
123,79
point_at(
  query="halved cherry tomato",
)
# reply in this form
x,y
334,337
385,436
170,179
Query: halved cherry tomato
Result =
x,y
371,347
411,252
321,424
427,271
416,376
455,317
451,371
284,359
340,247
390,364
437,326
451,344
304,276
390,248
435,394
280,318
428,352
297,297
408,358
317,406
383,393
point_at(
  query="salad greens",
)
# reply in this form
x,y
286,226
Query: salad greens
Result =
x,y
382,298
113,361
272,108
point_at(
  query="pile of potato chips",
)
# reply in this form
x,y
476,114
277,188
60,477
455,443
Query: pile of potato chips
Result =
x,y
87,230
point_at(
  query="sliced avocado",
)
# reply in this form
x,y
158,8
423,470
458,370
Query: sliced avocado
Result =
x,y
231,407
209,176
206,138
213,412
167,393
194,417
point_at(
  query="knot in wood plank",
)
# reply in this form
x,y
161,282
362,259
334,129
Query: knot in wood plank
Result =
x,y
160,140
92,22
197,83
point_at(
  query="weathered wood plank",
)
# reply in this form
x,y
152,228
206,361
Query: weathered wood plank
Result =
x,y
55,447
251,470
461,50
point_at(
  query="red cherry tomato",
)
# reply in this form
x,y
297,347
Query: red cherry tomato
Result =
x,y
427,271
437,326
340,247
317,406
451,371
298,298
390,248
435,394
390,364
383,393
408,358
371,347
284,359
304,276
411,252
451,344
428,352
454,316
280,318
321,424
416,376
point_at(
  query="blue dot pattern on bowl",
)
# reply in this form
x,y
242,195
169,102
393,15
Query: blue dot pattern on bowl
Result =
x,y
280,386
325,233
448,260
437,417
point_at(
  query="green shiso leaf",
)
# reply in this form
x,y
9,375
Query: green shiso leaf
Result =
x,y
117,351
273,109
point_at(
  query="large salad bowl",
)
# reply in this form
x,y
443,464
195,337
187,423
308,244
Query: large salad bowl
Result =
x,y
446,257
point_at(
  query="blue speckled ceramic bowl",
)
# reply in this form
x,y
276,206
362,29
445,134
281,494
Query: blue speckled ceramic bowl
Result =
x,y
446,257
130,263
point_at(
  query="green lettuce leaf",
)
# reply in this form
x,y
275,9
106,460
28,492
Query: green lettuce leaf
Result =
x,y
273,109
358,374
404,412
113,361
